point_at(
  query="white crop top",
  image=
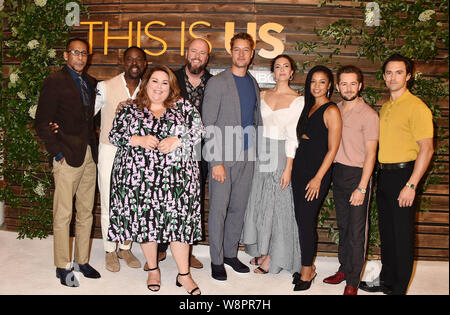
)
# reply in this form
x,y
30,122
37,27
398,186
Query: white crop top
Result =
x,y
281,124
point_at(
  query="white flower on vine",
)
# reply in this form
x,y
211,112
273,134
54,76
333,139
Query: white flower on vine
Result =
x,y
33,44
426,15
39,190
14,77
52,53
40,3
418,75
32,111
21,95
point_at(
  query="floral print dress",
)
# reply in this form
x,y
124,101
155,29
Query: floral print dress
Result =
x,y
155,197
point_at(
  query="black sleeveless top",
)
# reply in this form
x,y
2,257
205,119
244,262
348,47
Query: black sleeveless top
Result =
x,y
311,152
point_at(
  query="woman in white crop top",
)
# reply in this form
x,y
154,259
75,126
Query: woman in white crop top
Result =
x,y
270,232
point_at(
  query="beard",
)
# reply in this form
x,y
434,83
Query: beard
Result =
x,y
349,99
195,70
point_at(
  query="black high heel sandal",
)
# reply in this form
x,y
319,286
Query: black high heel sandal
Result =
x,y
180,285
295,277
304,285
153,285
255,261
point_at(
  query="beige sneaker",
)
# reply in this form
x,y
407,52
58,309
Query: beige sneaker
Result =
x,y
129,258
112,262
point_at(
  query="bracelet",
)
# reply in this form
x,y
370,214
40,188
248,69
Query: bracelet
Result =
x,y
362,190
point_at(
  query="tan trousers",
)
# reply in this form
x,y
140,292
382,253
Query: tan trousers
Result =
x,y
69,182
106,154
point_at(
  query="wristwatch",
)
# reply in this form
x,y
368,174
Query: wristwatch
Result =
x,y
362,190
412,186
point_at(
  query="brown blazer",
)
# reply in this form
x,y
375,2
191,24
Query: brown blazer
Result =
x,y
60,101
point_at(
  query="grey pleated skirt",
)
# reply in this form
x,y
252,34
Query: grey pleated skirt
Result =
x,y
270,227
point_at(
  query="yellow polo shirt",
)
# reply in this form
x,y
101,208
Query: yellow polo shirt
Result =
x,y
402,123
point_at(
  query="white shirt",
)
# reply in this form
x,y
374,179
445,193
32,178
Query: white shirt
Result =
x,y
100,100
281,124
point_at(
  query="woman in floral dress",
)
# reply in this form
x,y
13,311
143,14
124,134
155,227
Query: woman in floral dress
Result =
x,y
155,187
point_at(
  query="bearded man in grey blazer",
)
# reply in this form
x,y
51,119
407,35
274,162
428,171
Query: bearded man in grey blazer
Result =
x,y
231,114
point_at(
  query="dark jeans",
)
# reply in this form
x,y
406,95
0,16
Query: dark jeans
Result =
x,y
351,220
396,226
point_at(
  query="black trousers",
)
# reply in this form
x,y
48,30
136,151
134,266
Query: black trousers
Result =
x,y
306,212
351,220
396,226
162,247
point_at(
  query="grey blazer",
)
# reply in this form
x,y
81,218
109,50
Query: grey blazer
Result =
x,y
222,112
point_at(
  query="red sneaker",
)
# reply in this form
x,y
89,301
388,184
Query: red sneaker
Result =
x,y
336,279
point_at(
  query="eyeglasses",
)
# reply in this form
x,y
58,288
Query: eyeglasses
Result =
x,y
77,53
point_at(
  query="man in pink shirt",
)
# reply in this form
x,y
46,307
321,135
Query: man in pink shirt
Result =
x,y
352,174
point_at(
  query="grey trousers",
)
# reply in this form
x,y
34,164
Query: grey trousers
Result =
x,y
352,222
227,204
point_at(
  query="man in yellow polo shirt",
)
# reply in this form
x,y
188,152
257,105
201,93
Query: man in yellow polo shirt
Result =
x,y
405,151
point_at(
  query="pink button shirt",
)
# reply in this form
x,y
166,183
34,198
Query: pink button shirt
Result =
x,y
360,124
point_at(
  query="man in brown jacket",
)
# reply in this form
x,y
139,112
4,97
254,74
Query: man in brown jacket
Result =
x,y
67,98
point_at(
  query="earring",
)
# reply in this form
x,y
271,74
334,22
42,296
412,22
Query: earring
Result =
x,y
291,77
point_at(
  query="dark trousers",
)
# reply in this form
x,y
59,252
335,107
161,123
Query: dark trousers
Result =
x,y
396,226
306,213
351,220
162,247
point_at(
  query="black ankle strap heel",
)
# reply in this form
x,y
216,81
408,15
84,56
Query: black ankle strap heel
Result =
x,y
180,285
153,285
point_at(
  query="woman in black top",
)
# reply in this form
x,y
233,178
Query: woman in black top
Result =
x,y
319,133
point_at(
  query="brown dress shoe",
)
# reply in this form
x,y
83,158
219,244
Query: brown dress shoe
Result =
x,y
195,263
129,258
112,262
335,279
349,290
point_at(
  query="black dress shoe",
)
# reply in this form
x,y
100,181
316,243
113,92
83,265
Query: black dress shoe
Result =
x,y
86,270
218,272
236,264
370,287
67,277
